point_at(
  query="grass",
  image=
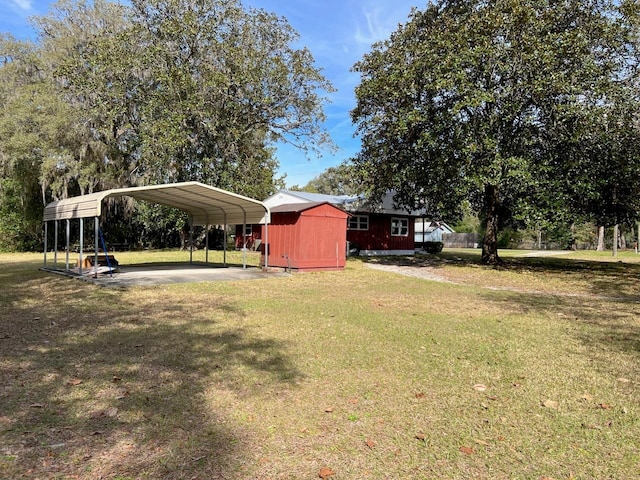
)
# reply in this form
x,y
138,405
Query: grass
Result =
x,y
527,370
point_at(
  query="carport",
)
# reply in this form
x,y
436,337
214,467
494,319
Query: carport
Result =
x,y
204,204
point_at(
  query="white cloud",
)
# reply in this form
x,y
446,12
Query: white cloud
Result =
x,y
24,5
378,20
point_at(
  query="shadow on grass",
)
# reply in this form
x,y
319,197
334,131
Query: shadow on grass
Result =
x,y
98,384
608,327
607,279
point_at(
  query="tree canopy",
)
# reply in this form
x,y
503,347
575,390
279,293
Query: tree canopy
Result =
x,y
156,91
338,180
505,104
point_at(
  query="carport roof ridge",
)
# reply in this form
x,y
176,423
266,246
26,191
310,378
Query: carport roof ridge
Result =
x,y
207,205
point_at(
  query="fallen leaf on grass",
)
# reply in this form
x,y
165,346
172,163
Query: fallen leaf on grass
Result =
x,y
74,381
326,472
604,406
109,413
420,395
480,387
421,436
467,450
5,421
624,380
328,410
550,404
370,443
481,442
115,379
591,427
587,398
36,405
123,395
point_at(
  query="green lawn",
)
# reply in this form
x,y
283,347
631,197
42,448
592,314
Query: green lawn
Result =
x,y
528,370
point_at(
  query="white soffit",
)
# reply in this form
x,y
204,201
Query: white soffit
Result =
x,y
207,205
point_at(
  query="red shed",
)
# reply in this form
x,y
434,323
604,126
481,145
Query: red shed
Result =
x,y
307,236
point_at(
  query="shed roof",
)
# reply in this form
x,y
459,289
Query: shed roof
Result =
x,y
207,205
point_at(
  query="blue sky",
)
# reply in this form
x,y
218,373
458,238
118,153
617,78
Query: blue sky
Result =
x,y
338,33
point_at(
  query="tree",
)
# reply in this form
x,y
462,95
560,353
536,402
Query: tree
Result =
x,y
338,180
481,100
199,91
157,91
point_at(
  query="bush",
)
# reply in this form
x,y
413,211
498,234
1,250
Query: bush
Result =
x,y
433,247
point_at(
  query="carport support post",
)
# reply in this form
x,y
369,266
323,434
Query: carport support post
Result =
x,y
244,241
81,244
96,228
46,231
190,239
224,248
55,245
206,243
67,254
265,245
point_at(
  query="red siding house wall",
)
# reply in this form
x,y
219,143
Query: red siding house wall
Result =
x,y
378,235
252,241
309,236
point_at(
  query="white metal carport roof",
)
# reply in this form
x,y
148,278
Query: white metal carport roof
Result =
x,y
206,205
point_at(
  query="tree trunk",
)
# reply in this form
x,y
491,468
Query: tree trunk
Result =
x,y
623,241
539,240
490,242
600,247
615,240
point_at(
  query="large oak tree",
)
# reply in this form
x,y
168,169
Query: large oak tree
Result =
x,y
153,91
487,101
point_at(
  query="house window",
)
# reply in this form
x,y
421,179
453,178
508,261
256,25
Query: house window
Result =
x,y
399,227
358,222
248,230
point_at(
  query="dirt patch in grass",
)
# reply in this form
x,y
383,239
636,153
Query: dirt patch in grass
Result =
x,y
365,372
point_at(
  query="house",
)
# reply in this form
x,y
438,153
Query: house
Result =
x,y
379,229
430,231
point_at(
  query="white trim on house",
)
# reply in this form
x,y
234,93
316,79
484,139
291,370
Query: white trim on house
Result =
x,y
379,253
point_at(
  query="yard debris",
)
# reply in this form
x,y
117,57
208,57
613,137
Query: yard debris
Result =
x,y
326,472
370,443
421,436
106,413
591,427
550,404
467,450
480,387
328,410
37,405
123,395
74,381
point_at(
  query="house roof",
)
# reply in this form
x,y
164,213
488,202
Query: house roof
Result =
x,y
350,203
322,198
207,205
